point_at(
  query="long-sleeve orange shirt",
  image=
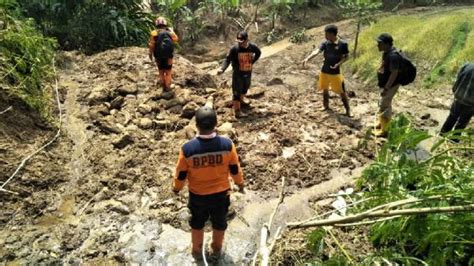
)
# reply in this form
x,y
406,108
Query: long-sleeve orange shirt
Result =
x,y
153,37
207,165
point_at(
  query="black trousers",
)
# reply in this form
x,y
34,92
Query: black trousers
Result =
x,y
240,84
459,117
203,207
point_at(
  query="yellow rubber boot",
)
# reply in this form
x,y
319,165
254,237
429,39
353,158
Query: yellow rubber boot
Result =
x,y
382,129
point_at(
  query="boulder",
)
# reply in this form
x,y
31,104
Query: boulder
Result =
x,y
145,123
189,110
123,141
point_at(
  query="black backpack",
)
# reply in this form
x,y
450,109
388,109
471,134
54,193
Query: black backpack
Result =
x,y
408,70
406,75
164,46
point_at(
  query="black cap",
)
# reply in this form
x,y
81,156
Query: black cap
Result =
x,y
242,36
385,38
206,118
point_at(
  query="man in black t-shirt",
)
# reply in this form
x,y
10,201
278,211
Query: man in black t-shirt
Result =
x,y
388,73
336,52
242,57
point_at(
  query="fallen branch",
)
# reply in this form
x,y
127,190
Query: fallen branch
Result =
x,y
385,213
6,110
23,162
264,250
368,222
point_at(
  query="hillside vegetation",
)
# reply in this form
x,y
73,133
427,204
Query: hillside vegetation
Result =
x,y
439,43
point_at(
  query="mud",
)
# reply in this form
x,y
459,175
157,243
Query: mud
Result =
x,y
102,192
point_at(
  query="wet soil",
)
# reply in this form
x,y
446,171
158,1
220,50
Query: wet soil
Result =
x,y
102,192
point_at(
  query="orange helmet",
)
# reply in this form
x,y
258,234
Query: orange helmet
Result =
x,y
161,21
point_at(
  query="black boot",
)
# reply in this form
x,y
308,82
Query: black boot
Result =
x,y
345,102
326,100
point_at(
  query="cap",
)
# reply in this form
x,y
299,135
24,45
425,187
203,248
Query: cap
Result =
x,y
242,36
385,38
206,118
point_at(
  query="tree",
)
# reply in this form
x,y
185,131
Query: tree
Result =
x,y
363,11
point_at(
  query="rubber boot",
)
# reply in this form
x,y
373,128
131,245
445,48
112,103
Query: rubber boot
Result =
x,y
345,102
236,106
325,100
381,129
217,242
197,237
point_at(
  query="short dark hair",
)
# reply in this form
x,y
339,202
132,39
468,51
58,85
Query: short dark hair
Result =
x,y
385,38
331,29
243,35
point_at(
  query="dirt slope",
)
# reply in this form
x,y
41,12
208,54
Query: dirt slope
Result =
x,y
102,192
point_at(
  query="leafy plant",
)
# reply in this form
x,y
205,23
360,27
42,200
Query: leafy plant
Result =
x,y
363,11
299,36
91,25
25,58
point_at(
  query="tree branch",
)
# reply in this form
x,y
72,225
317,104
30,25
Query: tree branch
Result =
x,y
385,213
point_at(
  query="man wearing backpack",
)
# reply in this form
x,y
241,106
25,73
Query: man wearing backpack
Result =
x,y
242,57
336,52
462,108
161,47
388,75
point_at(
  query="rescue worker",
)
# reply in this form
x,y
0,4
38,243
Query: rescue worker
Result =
x,y
388,72
336,52
206,162
242,57
161,48
462,108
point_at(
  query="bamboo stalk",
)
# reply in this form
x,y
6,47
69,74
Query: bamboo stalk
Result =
x,y
385,213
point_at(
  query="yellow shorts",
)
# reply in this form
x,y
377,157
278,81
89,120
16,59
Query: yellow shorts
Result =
x,y
335,82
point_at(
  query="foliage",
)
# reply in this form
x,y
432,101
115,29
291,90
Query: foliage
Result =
x,y
363,11
413,34
400,173
25,58
91,25
299,36
441,177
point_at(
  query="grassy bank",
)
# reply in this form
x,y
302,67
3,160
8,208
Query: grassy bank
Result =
x,y
439,43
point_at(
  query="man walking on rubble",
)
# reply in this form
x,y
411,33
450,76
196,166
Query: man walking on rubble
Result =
x,y
462,108
242,57
161,47
206,162
336,52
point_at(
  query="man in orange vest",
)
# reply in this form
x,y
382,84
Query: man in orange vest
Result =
x,y
161,47
206,162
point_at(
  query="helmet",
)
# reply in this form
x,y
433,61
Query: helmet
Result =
x,y
161,21
206,118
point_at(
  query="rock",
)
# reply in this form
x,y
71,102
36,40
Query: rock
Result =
x,y
127,89
275,81
171,103
131,77
167,95
155,107
145,123
123,141
177,109
210,90
107,127
227,129
119,208
256,92
163,124
113,111
145,109
98,95
189,110
425,116
117,103
96,112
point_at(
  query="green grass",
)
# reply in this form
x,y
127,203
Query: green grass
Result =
x,y
438,44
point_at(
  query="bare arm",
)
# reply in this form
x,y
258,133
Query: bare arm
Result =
x,y
314,53
391,80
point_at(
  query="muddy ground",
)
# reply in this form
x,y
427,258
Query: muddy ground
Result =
x,y
102,191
